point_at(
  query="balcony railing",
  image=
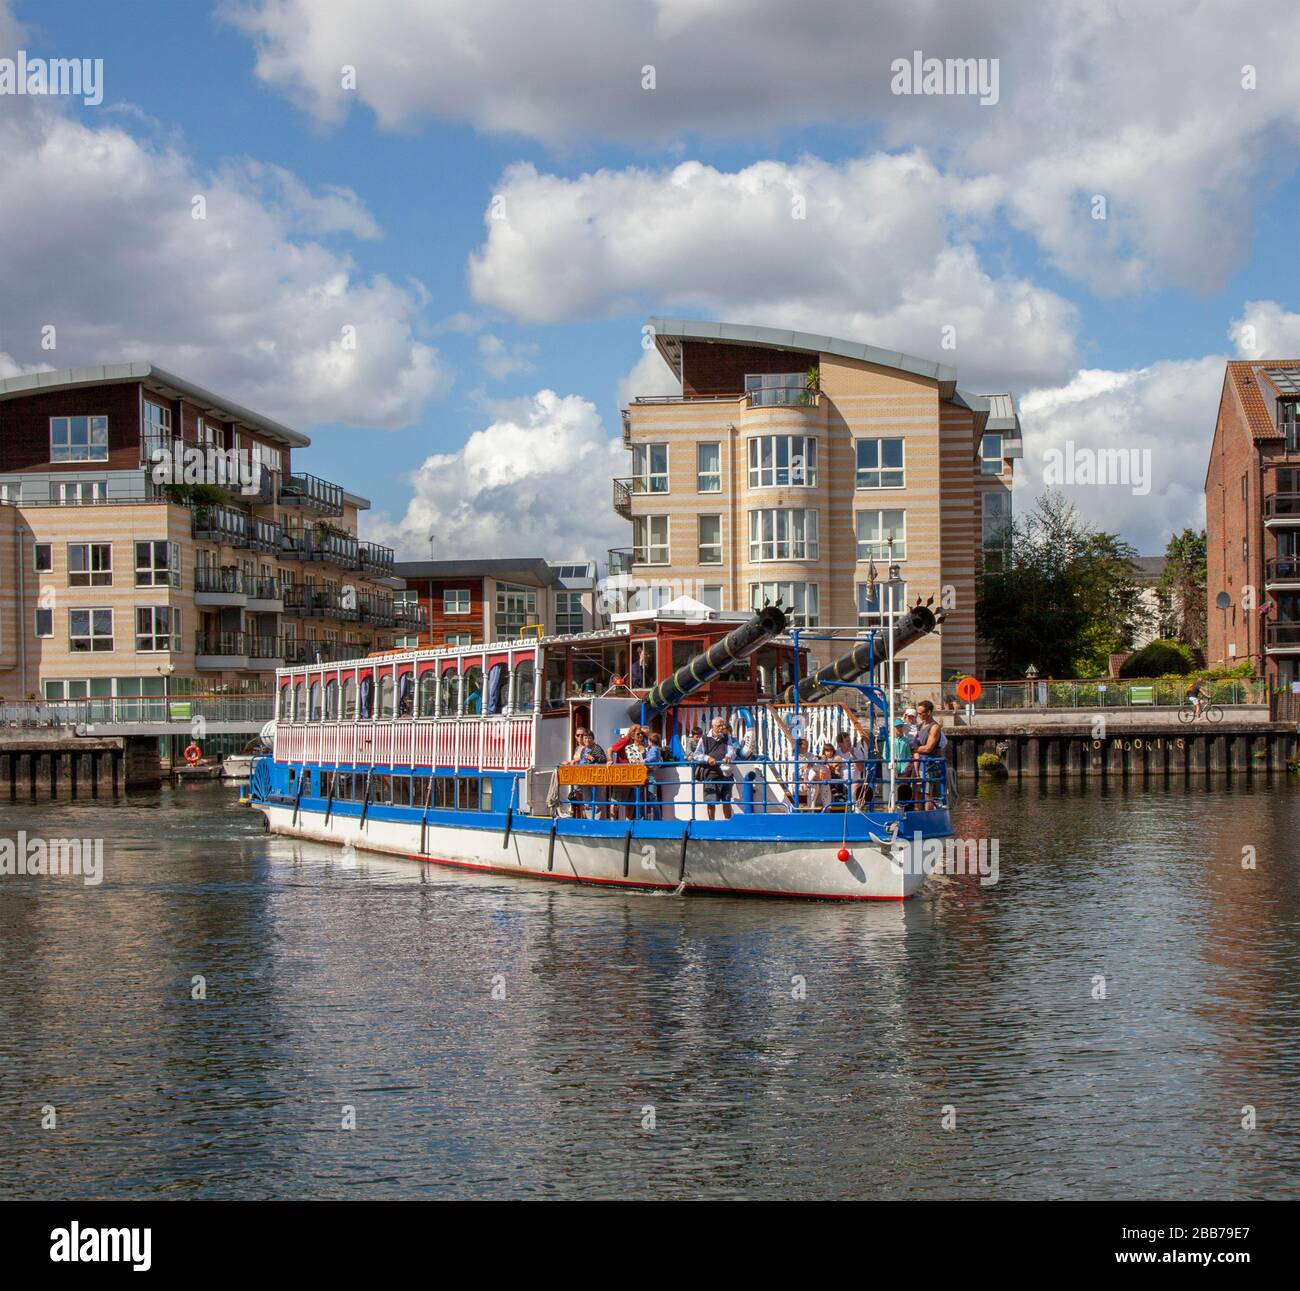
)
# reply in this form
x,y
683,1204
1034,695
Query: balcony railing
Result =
x,y
266,536
320,602
1282,636
1282,569
620,560
312,651
221,524
374,557
782,397
626,416
333,548
235,582
1282,506
623,497
238,645
311,491
410,614
377,610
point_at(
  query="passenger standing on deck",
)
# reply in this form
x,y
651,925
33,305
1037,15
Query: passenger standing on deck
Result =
x,y
898,754
589,753
930,743
713,757
654,756
622,799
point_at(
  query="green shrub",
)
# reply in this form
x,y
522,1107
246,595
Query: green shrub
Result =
x,y
991,764
1160,658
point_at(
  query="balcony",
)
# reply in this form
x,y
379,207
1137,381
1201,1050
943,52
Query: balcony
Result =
x,y
333,547
311,650
225,525
375,559
1282,638
626,415
783,396
377,610
312,492
265,536
620,561
410,615
623,497
1282,571
244,651
1281,508
320,603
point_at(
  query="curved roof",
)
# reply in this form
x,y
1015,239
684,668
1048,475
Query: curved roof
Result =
x,y
778,338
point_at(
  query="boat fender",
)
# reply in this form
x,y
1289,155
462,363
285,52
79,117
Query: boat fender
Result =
x,y
550,851
681,871
627,850
510,819
844,856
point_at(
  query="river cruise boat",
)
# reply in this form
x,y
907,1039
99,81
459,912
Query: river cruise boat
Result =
x,y
471,757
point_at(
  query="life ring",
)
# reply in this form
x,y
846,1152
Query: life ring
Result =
x,y
193,754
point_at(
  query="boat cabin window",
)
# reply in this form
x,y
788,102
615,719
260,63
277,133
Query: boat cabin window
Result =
x,y
366,698
405,698
472,689
313,714
448,686
331,700
300,702
428,693
685,651
350,700
498,687
596,666
644,672
554,694
284,710
525,687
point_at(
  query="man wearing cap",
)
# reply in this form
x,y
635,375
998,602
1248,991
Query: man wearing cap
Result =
x,y
911,724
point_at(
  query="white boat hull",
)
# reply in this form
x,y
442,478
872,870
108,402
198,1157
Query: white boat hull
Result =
x,y
744,866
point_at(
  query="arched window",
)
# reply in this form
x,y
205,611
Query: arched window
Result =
x,y
386,697
332,700
300,702
472,690
405,694
525,687
428,693
313,714
449,704
366,698
285,713
350,700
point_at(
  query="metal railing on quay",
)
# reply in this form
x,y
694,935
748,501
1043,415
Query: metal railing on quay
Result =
x,y
254,709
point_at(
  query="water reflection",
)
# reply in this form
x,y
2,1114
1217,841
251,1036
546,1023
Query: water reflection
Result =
x,y
501,1037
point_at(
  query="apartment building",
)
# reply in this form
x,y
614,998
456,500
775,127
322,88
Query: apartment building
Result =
x,y
791,464
1252,517
468,601
114,584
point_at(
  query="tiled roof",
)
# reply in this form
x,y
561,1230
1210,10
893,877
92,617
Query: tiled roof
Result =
x,y
1245,377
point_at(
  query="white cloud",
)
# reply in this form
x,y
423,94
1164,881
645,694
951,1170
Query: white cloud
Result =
x,y
1265,331
874,249
1164,412
1143,104
501,360
99,242
650,375
534,482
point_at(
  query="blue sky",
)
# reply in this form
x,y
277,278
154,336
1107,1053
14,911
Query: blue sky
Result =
x,y
937,211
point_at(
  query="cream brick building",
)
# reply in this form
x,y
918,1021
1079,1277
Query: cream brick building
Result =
x,y
786,464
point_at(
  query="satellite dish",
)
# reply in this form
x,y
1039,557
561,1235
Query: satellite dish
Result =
x,y
1223,601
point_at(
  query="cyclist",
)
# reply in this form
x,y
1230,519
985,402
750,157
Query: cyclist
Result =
x,y
1196,697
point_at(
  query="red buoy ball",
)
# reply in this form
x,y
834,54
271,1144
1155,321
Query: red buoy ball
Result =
x,y
844,855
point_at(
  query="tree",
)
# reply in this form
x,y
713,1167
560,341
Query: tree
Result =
x,y
1065,599
1182,586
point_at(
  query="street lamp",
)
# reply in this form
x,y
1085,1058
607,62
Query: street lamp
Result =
x,y
889,590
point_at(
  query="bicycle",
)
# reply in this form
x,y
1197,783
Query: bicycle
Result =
x,y
1211,713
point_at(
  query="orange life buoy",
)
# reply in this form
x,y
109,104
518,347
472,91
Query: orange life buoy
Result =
x,y
193,753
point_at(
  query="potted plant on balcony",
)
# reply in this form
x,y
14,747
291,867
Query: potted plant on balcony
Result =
x,y
812,384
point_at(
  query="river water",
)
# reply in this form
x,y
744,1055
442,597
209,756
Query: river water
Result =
x,y
657,1046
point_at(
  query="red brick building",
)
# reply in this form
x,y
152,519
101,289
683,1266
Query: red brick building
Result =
x,y
1252,516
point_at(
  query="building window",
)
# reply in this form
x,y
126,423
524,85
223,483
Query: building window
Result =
x,y
991,454
157,564
776,461
769,389
568,612
43,558
77,493
157,627
880,464
11,491
459,638
873,609
455,600
708,468
406,643
711,595
90,631
710,540
156,433
78,439
44,623
650,540
90,564
516,606
406,600
650,468
781,534
875,529
799,599
211,432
